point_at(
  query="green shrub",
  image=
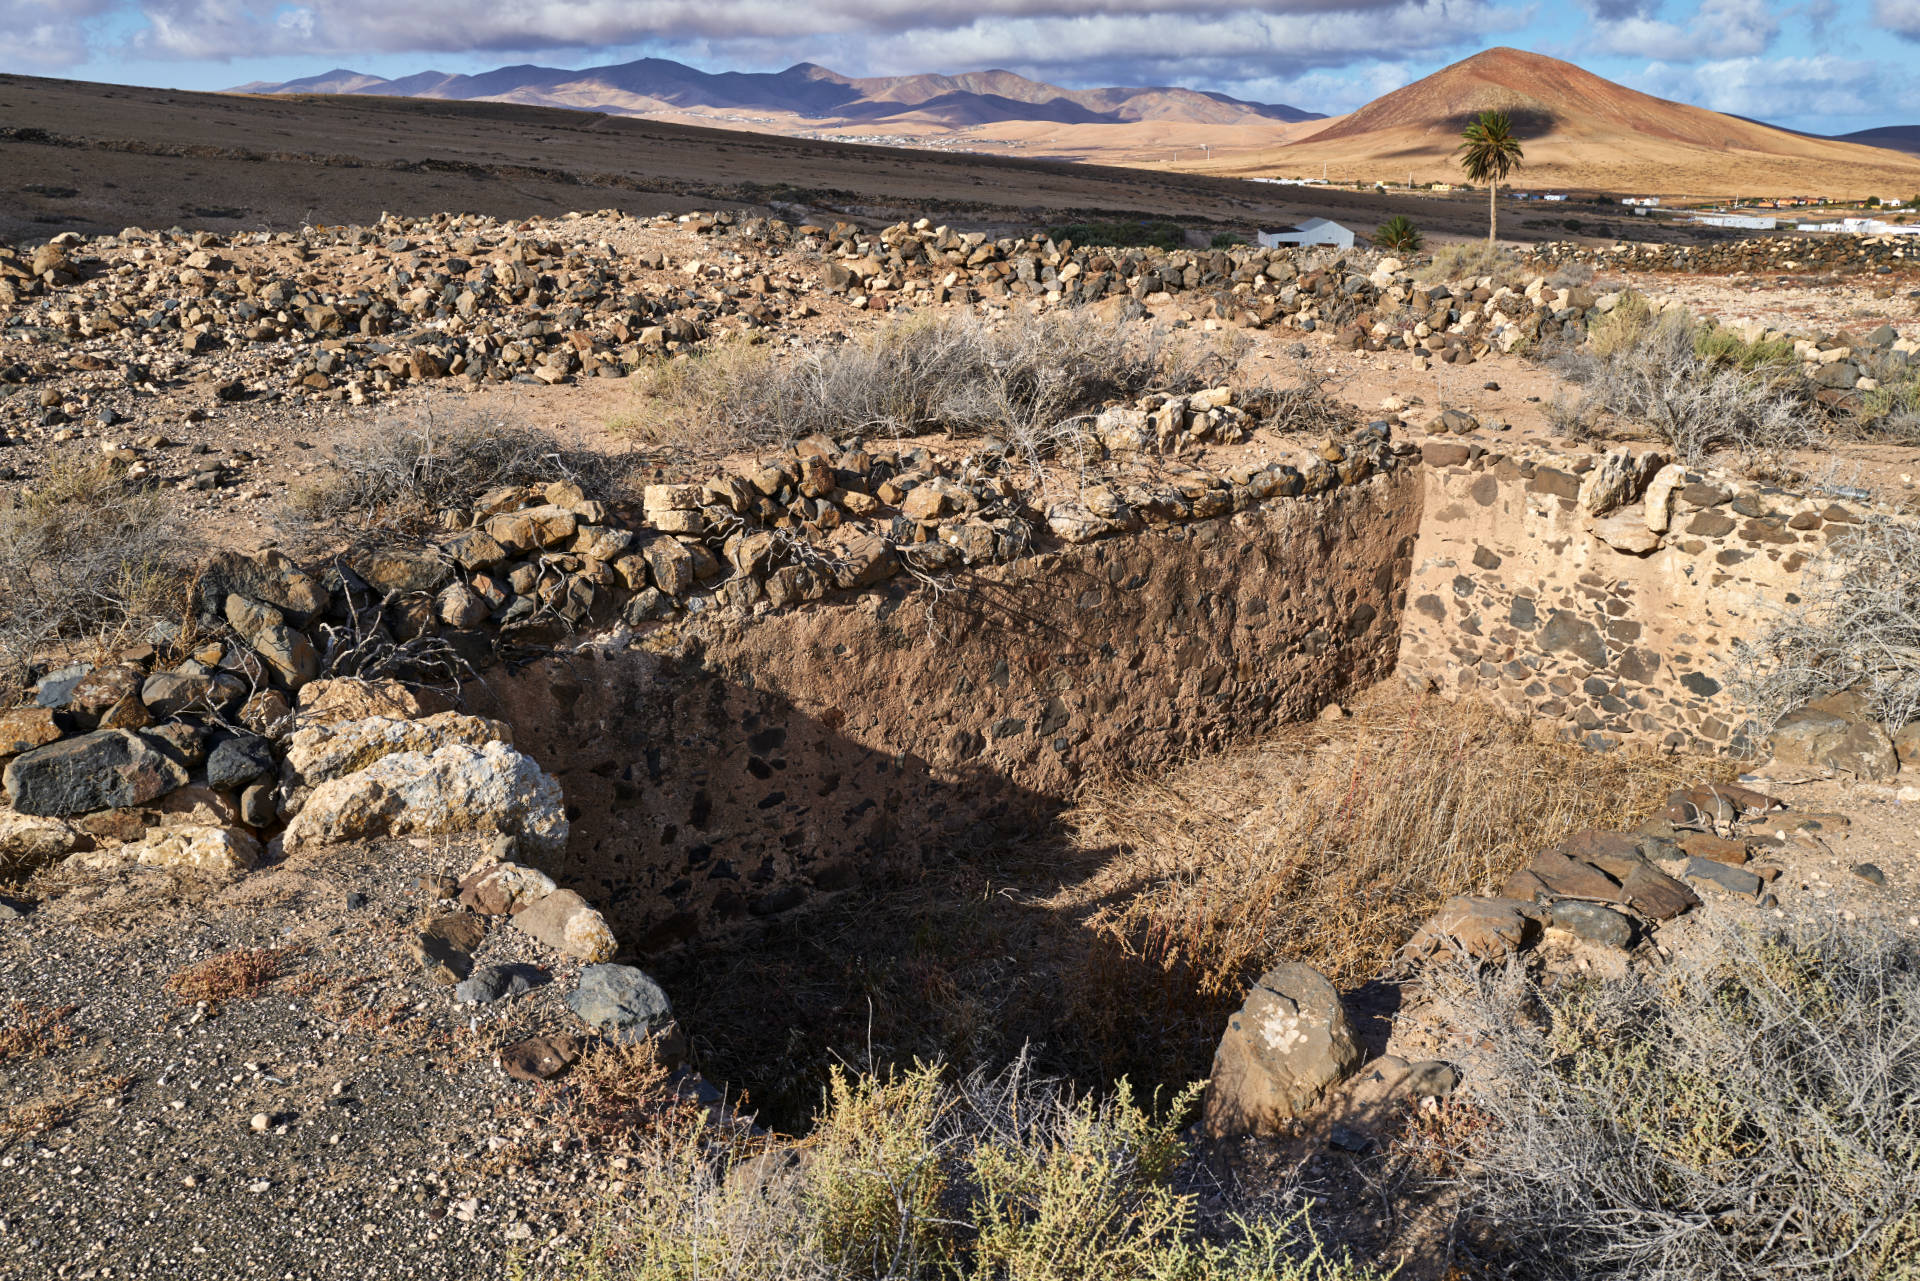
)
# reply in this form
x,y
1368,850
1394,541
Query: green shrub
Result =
x,y
912,1178
1399,235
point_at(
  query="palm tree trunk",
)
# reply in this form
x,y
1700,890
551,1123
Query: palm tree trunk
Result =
x,y
1493,211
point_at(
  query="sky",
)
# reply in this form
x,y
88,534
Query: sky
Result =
x,y
1824,66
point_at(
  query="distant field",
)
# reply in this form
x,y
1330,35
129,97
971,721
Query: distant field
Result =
x,y
96,158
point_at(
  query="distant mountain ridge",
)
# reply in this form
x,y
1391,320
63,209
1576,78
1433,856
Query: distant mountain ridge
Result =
x,y
1893,137
1582,131
655,86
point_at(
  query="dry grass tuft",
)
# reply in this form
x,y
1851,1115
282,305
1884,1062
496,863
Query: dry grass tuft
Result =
x,y
1330,843
32,1031
1469,260
1018,378
85,559
239,975
402,473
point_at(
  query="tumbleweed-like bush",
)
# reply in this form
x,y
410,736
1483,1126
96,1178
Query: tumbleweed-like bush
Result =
x,y
1751,1111
1699,391
1856,626
87,558
1018,379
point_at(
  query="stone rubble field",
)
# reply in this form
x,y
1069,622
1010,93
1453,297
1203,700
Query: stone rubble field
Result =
x,y
286,989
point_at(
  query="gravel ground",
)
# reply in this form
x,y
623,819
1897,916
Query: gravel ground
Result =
x,y
347,1120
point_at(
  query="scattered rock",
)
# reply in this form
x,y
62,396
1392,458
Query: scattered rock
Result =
x,y
102,770
541,1058
566,923
492,983
1485,929
1283,1050
1593,923
27,842
1721,877
621,1002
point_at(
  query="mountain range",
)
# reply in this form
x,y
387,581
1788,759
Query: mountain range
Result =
x,y
1579,130
657,86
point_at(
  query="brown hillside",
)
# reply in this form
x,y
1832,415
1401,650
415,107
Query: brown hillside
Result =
x,y
1582,131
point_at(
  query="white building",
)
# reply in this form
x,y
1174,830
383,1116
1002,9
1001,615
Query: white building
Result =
x,y
1741,222
1314,231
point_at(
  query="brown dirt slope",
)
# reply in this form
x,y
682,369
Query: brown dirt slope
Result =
x,y
1582,131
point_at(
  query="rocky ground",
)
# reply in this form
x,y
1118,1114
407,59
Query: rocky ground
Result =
x,y
334,1113
273,1074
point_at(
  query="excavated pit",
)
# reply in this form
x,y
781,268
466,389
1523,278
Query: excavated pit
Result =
x,y
736,768
762,800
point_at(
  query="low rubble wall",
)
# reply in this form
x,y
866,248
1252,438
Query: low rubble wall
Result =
x,y
734,764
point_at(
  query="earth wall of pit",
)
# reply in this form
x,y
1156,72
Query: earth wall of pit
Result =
x,y
735,766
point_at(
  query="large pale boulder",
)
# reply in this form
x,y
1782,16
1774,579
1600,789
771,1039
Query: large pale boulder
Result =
x,y
317,754
457,788
195,847
199,847
330,702
27,842
1283,1050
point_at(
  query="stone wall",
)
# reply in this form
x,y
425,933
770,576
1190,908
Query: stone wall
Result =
x,y
737,764
1533,581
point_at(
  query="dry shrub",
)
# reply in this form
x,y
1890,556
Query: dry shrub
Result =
x,y
908,1177
1018,379
238,975
1469,260
87,557
1331,843
1856,626
616,1097
31,1031
1752,1110
405,471
1699,393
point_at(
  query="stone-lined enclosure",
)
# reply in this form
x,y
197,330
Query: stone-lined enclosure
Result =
x,y
1603,591
740,719
731,767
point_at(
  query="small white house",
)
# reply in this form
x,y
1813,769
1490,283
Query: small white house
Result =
x,y
1314,231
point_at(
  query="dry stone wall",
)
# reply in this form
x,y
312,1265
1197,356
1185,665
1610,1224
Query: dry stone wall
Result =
x,y
734,765
1544,582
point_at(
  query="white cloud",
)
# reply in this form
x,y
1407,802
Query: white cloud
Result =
x,y
1718,29
1268,37
46,34
1899,16
1810,90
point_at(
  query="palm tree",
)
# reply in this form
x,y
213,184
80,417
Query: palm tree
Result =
x,y
1489,153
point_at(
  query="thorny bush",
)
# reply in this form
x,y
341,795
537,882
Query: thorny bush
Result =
x,y
1751,1111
